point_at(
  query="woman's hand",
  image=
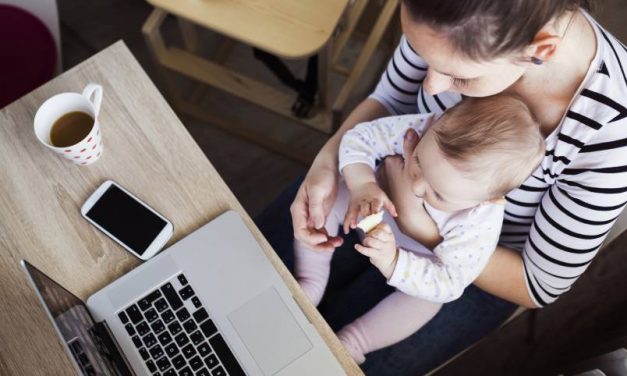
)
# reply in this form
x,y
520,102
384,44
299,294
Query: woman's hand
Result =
x,y
317,193
311,206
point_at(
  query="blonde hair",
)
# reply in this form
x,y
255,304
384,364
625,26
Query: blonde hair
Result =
x,y
495,135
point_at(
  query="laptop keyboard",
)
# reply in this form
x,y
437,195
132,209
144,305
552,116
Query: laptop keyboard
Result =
x,y
174,334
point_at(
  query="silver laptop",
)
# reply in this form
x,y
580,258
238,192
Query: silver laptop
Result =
x,y
211,304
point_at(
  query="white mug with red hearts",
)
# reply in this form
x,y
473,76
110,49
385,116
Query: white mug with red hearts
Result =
x,y
62,112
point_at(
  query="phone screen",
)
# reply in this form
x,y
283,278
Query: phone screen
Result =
x,y
126,219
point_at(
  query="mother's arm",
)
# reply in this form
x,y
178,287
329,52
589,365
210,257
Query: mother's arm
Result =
x,y
396,93
504,276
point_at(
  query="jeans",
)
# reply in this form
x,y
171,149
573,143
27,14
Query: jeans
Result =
x,y
355,286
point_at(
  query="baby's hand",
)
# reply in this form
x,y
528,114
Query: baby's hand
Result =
x,y
366,199
380,246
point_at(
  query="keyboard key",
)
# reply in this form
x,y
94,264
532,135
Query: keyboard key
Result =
x,y
77,347
182,279
134,314
208,327
163,364
190,326
226,356
186,292
186,372
146,302
161,305
151,366
197,337
171,350
182,314
219,371
167,316
123,317
178,361
137,341
149,340
211,361
201,315
174,328
204,349
143,328
156,352
196,302
151,315
172,296
157,326
129,329
203,372
164,338
144,353
170,372
83,359
195,362
189,351
182,339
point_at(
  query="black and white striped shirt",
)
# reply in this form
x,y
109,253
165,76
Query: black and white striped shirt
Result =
x,y
560,216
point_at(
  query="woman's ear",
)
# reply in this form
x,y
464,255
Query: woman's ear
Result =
x,y
542,48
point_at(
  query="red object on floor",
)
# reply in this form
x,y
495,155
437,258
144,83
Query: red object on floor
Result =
x,y
28,53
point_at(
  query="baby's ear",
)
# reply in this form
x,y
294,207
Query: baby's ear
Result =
x,y
410,142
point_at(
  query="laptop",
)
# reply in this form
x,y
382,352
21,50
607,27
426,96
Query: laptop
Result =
x,y
211,304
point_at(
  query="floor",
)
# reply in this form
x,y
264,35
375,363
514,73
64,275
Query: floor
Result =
x,y
256,176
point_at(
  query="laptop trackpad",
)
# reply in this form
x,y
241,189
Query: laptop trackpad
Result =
x,y
269,331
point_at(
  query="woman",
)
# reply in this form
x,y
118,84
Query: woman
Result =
x,y
572,74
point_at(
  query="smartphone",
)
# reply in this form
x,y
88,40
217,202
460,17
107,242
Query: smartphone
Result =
x,y
127,220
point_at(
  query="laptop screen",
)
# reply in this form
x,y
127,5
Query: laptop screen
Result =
x,y
91,346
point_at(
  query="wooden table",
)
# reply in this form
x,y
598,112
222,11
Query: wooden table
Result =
x,y
148,151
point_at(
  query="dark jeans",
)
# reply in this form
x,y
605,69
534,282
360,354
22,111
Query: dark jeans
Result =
x,y
355,286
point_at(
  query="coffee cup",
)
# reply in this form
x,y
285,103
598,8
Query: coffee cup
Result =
x,y
67,123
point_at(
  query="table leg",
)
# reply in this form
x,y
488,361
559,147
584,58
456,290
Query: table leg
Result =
x,y
190,35
323,76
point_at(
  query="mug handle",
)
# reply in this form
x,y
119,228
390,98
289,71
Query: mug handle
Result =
x,y
96,91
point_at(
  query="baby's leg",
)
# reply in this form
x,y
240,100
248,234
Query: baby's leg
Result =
x,y
392,320
311,268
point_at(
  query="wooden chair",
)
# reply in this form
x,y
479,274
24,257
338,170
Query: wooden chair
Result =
x,y
285,28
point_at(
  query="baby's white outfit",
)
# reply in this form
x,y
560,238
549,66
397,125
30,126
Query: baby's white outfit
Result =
x,y
425,279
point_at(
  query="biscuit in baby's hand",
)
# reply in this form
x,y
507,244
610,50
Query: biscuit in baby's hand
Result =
x,y
370,222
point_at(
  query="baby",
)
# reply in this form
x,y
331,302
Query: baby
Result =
x,y
466,161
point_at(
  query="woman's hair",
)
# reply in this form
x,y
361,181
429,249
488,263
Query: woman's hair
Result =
x,y
486,29
493,138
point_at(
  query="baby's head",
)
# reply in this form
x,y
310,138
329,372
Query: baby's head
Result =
x,y
477,151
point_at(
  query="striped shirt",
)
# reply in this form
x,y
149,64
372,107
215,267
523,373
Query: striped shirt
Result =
x,y
561,214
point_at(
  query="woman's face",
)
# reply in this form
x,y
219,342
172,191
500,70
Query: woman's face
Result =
x,y
450,70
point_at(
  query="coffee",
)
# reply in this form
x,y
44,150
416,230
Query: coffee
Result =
x,y
71,128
